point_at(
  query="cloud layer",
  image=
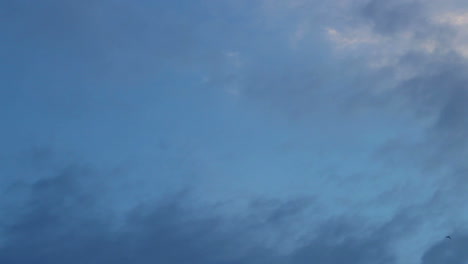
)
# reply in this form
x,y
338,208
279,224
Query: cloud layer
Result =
x,y
234,131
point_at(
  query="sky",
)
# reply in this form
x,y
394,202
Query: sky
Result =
x,y
233,131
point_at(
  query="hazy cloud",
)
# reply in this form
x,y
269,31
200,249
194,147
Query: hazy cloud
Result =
x,y
303,131
62,221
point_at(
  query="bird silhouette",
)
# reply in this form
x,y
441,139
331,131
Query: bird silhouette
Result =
x,y
448,237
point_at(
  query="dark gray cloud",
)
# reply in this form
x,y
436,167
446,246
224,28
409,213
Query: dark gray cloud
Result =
x,y
63,220
389,18
277,211
437,93
436,89
448,251
393,16
434,96
348,250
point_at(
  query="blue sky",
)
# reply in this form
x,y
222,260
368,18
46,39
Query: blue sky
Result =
x,y
293,131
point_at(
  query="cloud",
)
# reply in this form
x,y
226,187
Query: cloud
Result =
x,y
418,68
393,92
390,17
399,61
453,18
64,219
453,251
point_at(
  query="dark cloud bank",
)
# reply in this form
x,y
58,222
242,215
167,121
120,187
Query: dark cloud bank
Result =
x,y
63,220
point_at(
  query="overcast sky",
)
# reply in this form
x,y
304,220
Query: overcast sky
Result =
x,y
233,131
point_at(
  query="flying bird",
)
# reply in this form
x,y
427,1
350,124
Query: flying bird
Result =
x,y
448,237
